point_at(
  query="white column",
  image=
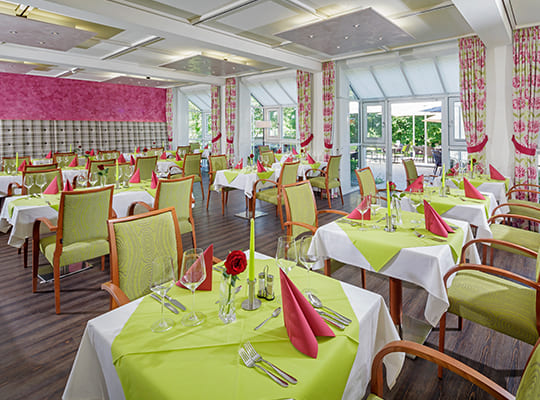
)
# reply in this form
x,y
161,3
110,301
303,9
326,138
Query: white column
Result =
x,y
243,122
181,119
342,139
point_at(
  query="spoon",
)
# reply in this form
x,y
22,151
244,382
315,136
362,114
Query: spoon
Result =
x,y
317,303
275,313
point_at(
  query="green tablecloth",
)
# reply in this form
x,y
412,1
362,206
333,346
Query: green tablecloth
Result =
x,y
456,197
51,200
203,363
138,187
379,246
458,181
231,175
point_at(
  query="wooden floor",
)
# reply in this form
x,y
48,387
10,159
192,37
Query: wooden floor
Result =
x,y
37,347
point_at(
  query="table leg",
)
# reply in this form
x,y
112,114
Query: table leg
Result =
x,y
396,310
249,208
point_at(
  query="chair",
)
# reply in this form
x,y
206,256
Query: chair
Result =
x,y
521,237
80,234
176,193
367,185
520,207
192,166
329,179
146,165
263,148
267,158
155,151
273,194
524,189
70,156
529,387
303,216
40,167
217,163
13,160
437,157
133,247
410,170
194,146
108,154
109,165
181,151
49,174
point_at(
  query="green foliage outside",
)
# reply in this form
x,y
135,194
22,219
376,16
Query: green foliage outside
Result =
x,y
195,123
402,130
289,122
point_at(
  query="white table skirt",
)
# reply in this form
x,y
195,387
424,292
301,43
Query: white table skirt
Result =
x,y
242,182
94,376
302,168
498,189
423,266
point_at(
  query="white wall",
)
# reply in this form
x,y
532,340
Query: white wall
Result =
x,y
180,120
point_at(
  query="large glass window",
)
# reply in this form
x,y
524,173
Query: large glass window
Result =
x,y
281,132
200,125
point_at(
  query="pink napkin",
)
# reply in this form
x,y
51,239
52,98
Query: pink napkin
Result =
x,y
294,151
92,152
260,167
452,171
155,180
132,160
208,263
301,320
87,163
494,174
289,159
417,185
74,162
240,165
53,187
138,150
163,156
177,157
21,167
310,159
470,191
136,178
49,155
356,214
68,187
121,158
434,222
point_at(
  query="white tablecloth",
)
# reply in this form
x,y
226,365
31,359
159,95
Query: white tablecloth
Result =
x,y
423,266
93,375
5,180
243,182
498,189
302,168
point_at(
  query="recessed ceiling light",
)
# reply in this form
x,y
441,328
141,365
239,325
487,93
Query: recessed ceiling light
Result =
x,y
55,33
311,36
346,37
380,38
13,32
356,25
338,47
41,42
233,67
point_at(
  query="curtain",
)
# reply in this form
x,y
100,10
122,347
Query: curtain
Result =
x,y
472,74
329,88
526,105
303,84
215,118
169,116
230,115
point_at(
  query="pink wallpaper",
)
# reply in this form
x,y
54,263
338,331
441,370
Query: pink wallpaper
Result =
x,y
41,98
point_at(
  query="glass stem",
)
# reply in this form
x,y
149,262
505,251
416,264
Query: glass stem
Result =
x,y
162,303
193,302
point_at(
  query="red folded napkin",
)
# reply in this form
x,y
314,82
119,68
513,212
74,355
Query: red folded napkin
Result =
x,y
310,159
49,155
163,156
294,151
206,147
132,160
240,165
470,191
289,159
74,162
260,167
53,187
301,320
21,167
155,180
452,171
92,152
417,185
365,204
87,165
138,150
434,222
278,151
68,187
121,158
136,177
208,263
494,174
177,157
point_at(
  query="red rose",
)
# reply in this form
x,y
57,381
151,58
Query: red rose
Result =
x,y
251,155
101,167
392,186
145,150
87,152
236,262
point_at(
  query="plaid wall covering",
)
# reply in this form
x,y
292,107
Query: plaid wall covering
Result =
x,y
36,137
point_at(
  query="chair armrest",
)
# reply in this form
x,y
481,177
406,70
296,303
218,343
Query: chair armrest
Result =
x,y
118,296
173,167
529,206
216,260
427,353
11,186
47,222
131,208
532,254
509,193
303,225
517,185
309,171
493,271
332,212
530,219
36,231
263,180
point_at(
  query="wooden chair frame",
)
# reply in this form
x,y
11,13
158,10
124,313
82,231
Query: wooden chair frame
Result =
x,y
144,158
324,173
40,167
362,194
28,160
184,169
212,178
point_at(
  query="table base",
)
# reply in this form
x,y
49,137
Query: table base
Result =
x,y
247,214
414,330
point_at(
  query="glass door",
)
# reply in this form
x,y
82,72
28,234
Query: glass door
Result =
x,y
272,134
374,141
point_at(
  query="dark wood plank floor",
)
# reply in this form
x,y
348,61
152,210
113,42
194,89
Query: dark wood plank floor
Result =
x,y
37,347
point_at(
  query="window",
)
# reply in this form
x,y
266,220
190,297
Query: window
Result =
x,y
195,123
282,132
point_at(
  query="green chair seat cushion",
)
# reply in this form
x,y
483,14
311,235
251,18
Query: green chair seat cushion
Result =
x,y
373,397
524,210
74,252
224,188
495,303
320,182
268,195
529,387
185,226
196,178
518,236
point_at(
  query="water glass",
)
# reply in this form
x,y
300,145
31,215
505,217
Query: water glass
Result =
x,y
193,273
286,253
163,277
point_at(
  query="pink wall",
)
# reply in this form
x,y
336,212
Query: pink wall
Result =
x,y
41,98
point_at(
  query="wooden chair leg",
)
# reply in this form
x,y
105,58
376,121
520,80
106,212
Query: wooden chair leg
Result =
x,y
327,269
460,323
193,238
341,194
208,198
328,198
442,332
103,263
202,189
223,196
25,253
35,264
56,272
363,278
280,213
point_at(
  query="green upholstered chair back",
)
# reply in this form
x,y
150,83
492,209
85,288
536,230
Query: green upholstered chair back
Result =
x,y
300,206
267,157
217,163
289,171
108,154
332,169
83,214
194,146
40,167
94,164
192,164
529,387
155,151
410,170
13,160
49,174
263,148
136,242
146,165
366,182
182,151
177,193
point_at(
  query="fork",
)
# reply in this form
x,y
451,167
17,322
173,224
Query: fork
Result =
x,y
418,234
251,363
257,357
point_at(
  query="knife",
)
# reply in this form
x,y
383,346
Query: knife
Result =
x,y
175,302
327,318
167,305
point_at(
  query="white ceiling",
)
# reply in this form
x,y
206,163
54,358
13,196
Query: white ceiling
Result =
x,y
242,32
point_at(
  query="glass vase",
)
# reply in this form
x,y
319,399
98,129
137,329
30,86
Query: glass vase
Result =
x,y
396,211
227,309
102,180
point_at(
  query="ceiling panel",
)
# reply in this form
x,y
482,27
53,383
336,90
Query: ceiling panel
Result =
x,y
259,14
449,69
143,56
209,66
15,67
197,7
129,80
423,77
526,12
391,80
363,83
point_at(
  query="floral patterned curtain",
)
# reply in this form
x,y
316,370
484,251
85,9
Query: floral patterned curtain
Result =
x,y
472,74
526,105
329,87
169,116
215,117
303,84
230,115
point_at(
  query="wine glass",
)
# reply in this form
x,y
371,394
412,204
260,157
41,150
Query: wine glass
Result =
x,y
416,200
28,182
286,253
192,275
93,178
41,181
363,208
163,278
308,259
82,180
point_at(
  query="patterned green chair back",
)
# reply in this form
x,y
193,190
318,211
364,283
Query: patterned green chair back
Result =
x,y
182,151
410,170
177,193
289,172
89,225
300,206
94,165
217,163
263,148
194,146
366,182
529,387
155,151
137,242
332,169
13,160
49,176
146,165
267,157
41,167
192,164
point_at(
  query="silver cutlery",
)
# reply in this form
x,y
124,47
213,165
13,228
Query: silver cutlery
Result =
x,y
275,313
175,302
327,318
418,234
257,357
218,268
249,362
167,305
317,303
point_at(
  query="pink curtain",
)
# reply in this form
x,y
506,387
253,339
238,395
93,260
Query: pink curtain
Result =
x,y
303,84
329,88
526,105
230,115
472,73
215,118
169,116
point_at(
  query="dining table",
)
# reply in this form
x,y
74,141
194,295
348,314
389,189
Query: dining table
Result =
x,y
303,168
119,357
482,182
5,179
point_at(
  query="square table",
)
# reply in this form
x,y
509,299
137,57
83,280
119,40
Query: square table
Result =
x,y
303,167
483,183
94,376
